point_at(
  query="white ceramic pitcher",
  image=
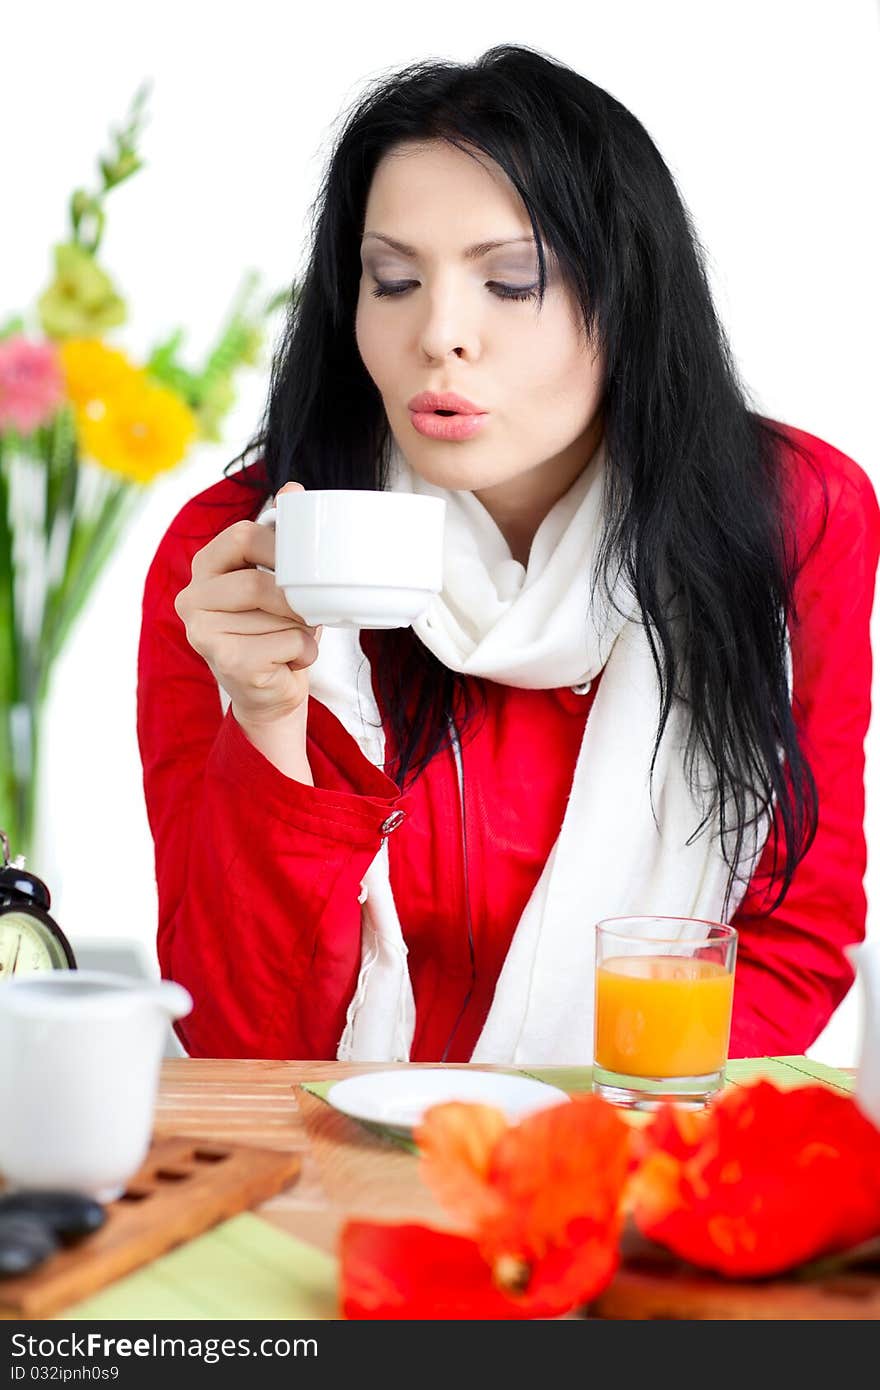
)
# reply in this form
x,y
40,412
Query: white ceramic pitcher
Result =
x,y
81,1051
866,962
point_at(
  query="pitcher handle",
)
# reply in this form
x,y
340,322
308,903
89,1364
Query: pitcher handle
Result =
x,y
176,1001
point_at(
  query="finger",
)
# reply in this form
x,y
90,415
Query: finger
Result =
x,y
245,542
296,649
241,590
253,622
239,545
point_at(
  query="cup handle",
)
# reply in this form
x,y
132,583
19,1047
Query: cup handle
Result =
x,y
267,518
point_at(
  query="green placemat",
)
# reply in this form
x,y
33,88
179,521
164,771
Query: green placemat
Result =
x,y
788,1072
242,1268
784,1072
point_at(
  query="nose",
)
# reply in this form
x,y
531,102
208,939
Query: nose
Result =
x,y
448,328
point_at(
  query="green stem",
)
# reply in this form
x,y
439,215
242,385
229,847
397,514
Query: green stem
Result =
x,y
29,789
61,469
19,714
9,807
91,544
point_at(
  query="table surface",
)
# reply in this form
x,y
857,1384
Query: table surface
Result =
x,y
346,1170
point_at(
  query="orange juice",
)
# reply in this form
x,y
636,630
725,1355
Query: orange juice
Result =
x,y
662,1015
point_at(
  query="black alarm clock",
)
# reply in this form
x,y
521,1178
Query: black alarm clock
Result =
x,y
30,941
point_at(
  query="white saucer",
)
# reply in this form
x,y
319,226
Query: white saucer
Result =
x,y
398,1099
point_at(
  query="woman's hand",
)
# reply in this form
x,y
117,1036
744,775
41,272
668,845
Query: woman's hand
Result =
x,y
239,620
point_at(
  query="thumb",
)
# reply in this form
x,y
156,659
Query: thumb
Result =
x,y
290,487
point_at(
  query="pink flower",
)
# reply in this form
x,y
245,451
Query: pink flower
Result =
x,y
31,384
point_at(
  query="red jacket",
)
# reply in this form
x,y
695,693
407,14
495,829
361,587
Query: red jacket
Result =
x,y
258,875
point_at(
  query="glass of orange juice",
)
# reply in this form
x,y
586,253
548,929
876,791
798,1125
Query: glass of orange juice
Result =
x,y
664,996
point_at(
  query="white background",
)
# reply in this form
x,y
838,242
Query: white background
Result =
x,y
766,111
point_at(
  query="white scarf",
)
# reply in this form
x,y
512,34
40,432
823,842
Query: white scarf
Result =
x,y
536,628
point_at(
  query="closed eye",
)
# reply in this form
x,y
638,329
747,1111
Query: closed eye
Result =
x,y
382,291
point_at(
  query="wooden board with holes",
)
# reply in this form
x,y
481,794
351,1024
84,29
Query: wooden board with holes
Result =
x,y
184,1187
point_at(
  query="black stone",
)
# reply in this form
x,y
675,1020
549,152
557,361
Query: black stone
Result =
x,y
68,1214
25,1241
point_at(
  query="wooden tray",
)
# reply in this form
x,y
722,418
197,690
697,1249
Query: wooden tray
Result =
x,y
184,1187
652,1284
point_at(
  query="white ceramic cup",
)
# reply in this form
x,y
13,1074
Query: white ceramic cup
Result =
x,y
81,1053
347,558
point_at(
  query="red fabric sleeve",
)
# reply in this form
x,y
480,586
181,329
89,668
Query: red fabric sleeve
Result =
x,y
791,970
257,874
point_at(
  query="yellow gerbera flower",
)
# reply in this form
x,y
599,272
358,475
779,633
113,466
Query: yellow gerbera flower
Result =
x,y
124,421
94,372
139,431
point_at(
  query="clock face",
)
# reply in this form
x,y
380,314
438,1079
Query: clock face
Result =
x,y
27,946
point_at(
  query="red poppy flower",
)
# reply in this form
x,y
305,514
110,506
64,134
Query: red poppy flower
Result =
x,y
396,1272
760,1182
541,1205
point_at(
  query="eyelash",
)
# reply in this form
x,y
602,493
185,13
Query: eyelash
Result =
x,y
502,291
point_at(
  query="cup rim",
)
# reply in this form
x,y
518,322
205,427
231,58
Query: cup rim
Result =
x,y
723,931
29,995
359,492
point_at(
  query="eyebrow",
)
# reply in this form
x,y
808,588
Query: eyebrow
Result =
x,y
471,253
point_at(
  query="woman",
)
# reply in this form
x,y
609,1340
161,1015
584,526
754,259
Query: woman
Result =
x,y
507,231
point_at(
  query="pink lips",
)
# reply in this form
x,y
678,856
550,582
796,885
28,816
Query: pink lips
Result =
x,y
444,400
466,421
447,426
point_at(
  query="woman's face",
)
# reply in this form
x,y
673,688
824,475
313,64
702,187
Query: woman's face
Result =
x,y
450,325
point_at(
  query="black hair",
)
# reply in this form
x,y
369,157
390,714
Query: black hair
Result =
x,y
698,514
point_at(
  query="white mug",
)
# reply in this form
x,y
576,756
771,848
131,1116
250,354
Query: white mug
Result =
x,y
347,558
81,1053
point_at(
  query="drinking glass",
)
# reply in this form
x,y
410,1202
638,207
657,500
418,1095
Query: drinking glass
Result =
x,y
664,997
